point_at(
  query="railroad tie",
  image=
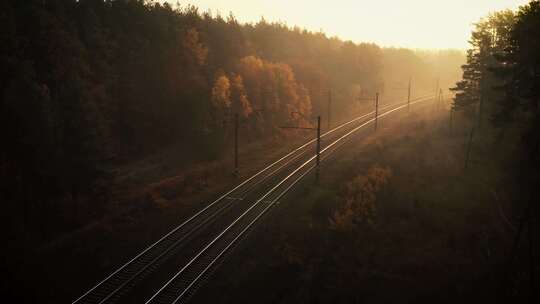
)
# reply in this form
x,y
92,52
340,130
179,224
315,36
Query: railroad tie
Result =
x,y
234,198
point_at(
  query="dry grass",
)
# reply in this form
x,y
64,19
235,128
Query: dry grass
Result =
x,y
435,235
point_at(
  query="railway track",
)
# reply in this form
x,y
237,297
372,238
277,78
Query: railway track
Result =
x,y
300,160
182,285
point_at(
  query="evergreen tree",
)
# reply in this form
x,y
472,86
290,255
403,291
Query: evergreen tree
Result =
x,y
488,40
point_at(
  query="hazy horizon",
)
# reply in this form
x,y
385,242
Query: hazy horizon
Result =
x,y
449,23
333,152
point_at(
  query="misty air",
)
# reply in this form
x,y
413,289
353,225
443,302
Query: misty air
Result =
x,y
206,151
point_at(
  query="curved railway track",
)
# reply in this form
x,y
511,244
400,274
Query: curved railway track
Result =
x,y
110,289
181,285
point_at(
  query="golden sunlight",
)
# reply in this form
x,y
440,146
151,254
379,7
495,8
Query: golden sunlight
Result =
x,y
428,24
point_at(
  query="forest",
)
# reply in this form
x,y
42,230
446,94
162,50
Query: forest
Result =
x,y
500,93
90,84
118,115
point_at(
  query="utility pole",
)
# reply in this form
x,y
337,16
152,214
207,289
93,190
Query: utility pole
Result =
x,y
329,107
469,145
376,109
409,96
437,87
440,98
480,109
318,146
376,106
451,118
437,94
236,171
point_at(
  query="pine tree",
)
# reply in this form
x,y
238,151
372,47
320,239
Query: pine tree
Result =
x,y
488,40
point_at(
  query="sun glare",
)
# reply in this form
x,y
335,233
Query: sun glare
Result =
x,y
412,24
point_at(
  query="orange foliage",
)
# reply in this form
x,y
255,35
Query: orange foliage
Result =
x,y
360,197
191,182
273,88
240,101
221,93
229,95
192,43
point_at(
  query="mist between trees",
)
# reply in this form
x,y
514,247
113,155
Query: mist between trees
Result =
x,y
89,84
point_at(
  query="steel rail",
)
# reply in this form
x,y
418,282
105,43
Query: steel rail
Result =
x,y
199,213
271,203
183,224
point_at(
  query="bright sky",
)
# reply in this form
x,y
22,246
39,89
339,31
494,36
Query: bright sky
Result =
x,y
404,23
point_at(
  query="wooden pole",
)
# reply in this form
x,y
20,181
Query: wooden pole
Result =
x,y
318,146
329,108
409,97
236,171
376,110
469,145
451,119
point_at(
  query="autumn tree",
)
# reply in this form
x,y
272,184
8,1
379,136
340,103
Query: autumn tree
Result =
x,y
272,87
91,84
360,195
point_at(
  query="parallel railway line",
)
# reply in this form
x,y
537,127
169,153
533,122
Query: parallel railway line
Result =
x,y
275,180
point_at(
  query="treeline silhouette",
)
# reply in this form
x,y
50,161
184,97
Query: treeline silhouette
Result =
x,y
500,87
500,93
91,83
